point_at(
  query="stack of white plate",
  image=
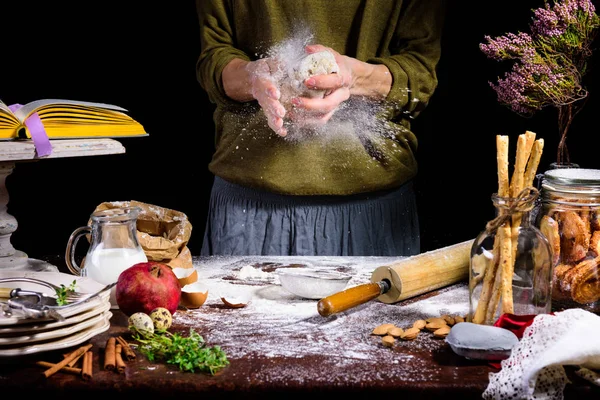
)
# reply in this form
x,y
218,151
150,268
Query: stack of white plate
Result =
x,y
21,335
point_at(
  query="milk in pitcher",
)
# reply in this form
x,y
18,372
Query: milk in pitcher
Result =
x,y
105,266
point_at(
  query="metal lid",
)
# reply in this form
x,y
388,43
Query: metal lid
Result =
x,y
572,180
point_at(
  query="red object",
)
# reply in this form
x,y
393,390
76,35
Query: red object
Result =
x,y
515,323
146,286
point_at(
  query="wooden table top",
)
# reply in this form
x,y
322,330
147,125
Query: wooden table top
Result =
x,y
279,344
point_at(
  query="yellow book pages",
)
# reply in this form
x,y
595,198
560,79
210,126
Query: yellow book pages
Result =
x,y
69,119
9,124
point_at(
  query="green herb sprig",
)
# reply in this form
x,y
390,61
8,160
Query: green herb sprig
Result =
x,y
189,353
63,292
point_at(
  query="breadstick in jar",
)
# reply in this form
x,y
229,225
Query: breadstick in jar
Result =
x,y
507,267
491,270
524,146
534,162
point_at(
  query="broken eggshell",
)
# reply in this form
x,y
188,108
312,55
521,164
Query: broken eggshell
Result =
x,y
193,295
185,276
238,300
481,342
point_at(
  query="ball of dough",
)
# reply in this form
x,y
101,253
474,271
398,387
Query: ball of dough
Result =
x,y
320,63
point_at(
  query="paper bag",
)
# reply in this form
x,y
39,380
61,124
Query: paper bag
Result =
x,y
163,233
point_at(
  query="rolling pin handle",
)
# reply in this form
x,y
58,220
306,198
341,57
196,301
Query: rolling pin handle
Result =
x,y
351,297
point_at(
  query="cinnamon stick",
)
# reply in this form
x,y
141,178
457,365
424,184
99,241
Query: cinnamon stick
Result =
x,y
75,354
87,367
126,349
119,359
110,354
70,370
73,361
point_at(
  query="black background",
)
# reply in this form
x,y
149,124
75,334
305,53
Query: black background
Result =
x,y
141,55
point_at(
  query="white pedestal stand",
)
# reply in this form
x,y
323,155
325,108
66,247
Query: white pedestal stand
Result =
x,y
24,150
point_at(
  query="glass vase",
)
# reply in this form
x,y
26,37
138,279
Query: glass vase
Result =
x,y
510,266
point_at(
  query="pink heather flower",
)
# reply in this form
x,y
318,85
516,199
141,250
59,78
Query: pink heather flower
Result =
x,y
549,63
506,47
555,21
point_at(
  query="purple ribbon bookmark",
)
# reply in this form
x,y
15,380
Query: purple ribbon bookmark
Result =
x,y
37,132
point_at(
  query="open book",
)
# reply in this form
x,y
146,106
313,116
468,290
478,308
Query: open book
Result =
x,y
67,119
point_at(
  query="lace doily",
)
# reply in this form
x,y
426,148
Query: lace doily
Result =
x,y
534,369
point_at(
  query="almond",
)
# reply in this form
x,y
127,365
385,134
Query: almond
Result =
x,y
458,319
388,340
395,332
420,324
382,329
442,332
435,325
410,334
435,319
449,320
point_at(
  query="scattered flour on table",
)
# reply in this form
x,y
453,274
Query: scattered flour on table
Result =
x,y
276,323
249,272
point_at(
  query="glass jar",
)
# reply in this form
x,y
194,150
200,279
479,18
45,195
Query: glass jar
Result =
x,y
511,264
570,218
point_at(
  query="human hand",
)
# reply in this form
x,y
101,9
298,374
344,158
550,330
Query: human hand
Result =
x,y
265,90
315,111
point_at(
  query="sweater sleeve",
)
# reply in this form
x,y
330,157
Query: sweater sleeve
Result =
x,y
217,47
414,54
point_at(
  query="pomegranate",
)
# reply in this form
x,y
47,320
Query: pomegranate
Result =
x,y
147,285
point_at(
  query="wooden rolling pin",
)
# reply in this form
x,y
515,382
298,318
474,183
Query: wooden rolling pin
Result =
x,y
406,278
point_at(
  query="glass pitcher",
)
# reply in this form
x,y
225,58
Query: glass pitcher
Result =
x,y
114,246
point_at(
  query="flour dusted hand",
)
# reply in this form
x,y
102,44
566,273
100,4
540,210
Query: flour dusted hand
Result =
x,y
265,90
276,83
299,87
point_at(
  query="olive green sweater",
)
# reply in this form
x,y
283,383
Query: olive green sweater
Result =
x,y
353,155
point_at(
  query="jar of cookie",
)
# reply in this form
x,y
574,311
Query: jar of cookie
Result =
x,y
570,219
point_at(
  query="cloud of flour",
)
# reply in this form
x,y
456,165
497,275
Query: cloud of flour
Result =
x,y
355,118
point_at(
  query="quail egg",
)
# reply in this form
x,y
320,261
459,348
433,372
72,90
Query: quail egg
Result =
x,y
161,318
141,322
